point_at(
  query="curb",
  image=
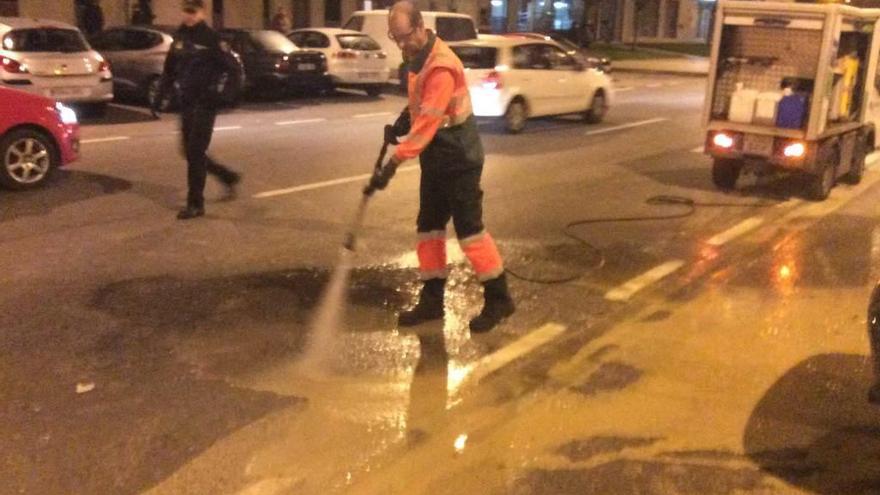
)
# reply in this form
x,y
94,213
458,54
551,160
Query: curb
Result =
x,y
658,72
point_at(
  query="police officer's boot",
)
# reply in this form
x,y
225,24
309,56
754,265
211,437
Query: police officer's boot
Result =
x,y
498,305
429,307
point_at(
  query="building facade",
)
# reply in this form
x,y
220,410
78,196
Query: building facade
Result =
x,y
606,20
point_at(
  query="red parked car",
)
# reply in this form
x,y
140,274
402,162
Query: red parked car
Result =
x,y
37,135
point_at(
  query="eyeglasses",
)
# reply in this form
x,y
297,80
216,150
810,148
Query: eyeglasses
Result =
x,y
398,39
189,10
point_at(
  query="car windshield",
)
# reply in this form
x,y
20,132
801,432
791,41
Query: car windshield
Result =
x,y
45,40
273,41
455,29
476,57
357,42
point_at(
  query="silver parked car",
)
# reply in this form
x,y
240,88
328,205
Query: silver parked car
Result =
x,y
137,57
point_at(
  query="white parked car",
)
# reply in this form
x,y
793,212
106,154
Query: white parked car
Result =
x,y
53,59
519,78
449,26
354,59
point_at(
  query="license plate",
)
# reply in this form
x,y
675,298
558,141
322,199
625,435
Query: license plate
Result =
x,y
758,145
68,92
306,66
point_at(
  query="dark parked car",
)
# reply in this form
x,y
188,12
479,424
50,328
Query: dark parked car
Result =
x,y
273,62
137,58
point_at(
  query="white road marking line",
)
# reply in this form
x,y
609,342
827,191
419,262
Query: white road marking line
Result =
x,y
872,159
625,126
369,115
326,183
488,364
303,121
105,140
737,230
623,89
227,128
626,290
653,85
699,149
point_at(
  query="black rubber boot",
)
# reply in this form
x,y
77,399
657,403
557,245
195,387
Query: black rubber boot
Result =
x,y
429,307
497,307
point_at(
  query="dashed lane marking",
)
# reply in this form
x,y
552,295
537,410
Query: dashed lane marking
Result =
x,y
303,121
105,140
370,115
628,289
625,126
747,225
227,128
623,89
699,149
490,363
323,184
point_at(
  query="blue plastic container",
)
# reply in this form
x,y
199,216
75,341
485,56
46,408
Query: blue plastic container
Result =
x,y
792,111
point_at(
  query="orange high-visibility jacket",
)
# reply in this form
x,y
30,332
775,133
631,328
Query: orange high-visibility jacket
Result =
x,y
438,99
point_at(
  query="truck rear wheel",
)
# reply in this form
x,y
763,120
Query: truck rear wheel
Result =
x,y
857,169
819,185
725,172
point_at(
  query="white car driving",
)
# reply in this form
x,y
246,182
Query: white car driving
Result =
x,y
354,59
519,78
52,59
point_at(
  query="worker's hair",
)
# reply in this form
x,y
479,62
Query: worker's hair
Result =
x,y
413,12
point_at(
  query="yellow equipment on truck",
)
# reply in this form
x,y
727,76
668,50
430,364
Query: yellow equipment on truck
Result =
x,y
793,87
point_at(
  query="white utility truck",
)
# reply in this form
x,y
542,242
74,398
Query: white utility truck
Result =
x,y
792,87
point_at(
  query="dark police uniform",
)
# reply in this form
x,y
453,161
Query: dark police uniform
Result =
x,y
193,67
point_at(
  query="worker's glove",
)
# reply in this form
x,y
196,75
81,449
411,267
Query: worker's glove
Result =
x,y
381,177
391,135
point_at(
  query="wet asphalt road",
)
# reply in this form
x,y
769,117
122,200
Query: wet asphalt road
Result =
x,y
719,352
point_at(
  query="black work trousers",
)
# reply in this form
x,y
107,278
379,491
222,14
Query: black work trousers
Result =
x,y
452,194
197,128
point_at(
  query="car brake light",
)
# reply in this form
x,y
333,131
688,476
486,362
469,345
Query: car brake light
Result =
x,y
345,55
723,140
13,66
381,55
794,150
492,81
104,66
283,64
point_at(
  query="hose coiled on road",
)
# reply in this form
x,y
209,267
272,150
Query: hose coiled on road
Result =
x,y
688,207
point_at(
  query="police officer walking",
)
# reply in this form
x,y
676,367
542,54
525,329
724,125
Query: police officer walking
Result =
x,y
442,132
193,67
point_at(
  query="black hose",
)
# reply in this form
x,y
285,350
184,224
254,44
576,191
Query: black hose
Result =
x,y
689,208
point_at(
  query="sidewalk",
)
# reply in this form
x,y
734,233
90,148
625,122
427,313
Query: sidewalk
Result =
x,y
684,66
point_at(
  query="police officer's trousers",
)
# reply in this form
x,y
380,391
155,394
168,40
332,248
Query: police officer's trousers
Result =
x,y
197,128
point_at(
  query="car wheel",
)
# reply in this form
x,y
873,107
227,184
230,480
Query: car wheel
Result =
x,y
725,173
373,91
28,159
598,108
152,94
515,117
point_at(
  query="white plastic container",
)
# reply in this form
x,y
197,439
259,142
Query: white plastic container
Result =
x,y
765,107
742,105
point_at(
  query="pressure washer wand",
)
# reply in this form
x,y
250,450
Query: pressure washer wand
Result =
x,y
354,229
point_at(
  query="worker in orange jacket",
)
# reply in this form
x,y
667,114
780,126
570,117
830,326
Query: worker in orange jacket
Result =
x,y
440,129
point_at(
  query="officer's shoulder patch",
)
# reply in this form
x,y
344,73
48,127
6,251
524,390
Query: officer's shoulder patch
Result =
x,y
224,46
179,45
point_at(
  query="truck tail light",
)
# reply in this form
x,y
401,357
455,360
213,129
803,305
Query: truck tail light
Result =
x,y
723,140
13,66
492,81
794,150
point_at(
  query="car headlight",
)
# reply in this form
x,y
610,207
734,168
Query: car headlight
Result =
x,y
67,114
